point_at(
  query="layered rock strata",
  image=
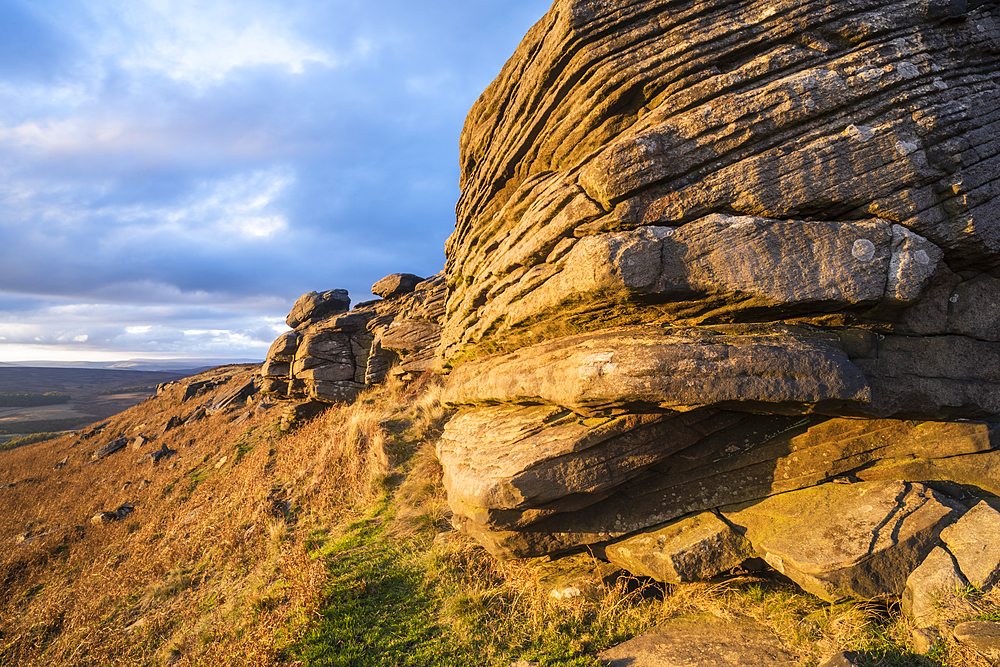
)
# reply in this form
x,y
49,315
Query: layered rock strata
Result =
x,y
707,253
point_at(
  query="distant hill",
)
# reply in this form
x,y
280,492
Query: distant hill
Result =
x,y
184,366
92,392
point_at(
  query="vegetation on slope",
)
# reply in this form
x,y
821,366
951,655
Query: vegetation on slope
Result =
x,y
328,545
13,442
33,400
141,389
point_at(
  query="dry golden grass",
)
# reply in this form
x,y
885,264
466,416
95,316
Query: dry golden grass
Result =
x,y
213,561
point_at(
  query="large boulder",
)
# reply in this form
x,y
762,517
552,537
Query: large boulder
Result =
x,y
396,284
848,540
314,306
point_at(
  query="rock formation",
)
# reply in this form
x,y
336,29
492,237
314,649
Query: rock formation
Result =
x,y
331,358
721,270
711,252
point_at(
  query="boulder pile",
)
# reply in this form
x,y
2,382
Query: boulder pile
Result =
x,y
332,354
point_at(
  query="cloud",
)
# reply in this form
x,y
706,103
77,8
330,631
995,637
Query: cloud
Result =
x,y
201,42
171,166
101,328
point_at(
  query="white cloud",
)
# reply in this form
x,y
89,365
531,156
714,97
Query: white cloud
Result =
x,y
244,207
99,331
76,135
243,204
201,41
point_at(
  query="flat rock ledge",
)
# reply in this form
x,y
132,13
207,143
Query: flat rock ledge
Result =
x,y
702,640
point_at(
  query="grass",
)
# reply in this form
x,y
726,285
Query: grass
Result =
x,y
329,545
21,440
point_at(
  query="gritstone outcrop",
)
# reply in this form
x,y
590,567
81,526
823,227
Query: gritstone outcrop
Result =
x,y
330,358
718,266
708,252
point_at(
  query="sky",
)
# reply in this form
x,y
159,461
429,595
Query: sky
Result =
x,y
175,173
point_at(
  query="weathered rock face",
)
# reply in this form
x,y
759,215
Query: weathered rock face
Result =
x,y
797,156
331,357
708,458
711,252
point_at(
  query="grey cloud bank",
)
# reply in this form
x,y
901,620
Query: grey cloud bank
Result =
x,y
175,174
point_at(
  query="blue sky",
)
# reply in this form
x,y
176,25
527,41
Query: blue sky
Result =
x,y
176,173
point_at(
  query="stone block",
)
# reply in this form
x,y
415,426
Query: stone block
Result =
x,y
974,541
689,549
847,540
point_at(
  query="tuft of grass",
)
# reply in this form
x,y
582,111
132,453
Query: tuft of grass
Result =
x,y
277,530
22,440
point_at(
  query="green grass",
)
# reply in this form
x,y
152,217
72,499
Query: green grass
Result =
x,y
20,441
377,611
392,601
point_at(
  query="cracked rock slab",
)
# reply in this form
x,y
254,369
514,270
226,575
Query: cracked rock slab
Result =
x,y
847,540
690,549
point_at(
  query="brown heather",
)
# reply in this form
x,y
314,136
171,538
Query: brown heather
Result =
x,y
213,565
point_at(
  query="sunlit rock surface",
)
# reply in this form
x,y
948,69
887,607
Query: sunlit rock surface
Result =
x,y
712,252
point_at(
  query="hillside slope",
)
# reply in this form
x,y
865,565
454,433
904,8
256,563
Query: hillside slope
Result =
x,y
324,544
206,559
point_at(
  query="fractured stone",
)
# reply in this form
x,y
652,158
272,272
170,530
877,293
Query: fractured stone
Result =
x,y
689,549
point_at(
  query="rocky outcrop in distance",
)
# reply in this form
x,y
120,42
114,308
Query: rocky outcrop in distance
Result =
x,y
331,354
724,275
